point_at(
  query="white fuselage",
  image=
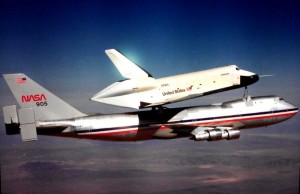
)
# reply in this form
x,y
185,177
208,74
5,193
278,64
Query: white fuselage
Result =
x,y
174,123
147,92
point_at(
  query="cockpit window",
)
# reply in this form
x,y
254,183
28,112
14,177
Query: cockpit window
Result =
x,y
281,99
237,68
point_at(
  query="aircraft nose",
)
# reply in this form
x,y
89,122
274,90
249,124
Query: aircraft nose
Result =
x,y
254,78
248,80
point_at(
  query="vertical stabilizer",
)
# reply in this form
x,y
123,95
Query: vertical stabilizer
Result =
x,y
45,105
126,67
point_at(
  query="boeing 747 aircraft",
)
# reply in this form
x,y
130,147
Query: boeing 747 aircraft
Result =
x,y
41,112
141,90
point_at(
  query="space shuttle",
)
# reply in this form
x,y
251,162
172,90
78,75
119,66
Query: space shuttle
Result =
x,y
140,89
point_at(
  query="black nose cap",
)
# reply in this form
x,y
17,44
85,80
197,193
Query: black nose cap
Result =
x,y
248,80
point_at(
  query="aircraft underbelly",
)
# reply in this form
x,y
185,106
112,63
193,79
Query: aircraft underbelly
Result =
x,y
130,135
264,121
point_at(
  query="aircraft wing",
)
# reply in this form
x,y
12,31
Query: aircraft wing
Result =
x,y
190,129
127,68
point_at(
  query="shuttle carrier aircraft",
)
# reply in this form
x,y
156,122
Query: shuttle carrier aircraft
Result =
x,y
44,113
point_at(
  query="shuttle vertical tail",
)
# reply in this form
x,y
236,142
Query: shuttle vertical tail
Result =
x,y
126,67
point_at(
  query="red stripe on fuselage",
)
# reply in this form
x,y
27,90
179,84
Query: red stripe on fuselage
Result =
x,y
212,122
245,118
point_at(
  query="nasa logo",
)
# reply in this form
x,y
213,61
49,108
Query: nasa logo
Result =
x,y
40,99
35,98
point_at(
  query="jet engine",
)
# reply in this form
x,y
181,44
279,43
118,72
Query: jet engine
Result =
x,y
216,135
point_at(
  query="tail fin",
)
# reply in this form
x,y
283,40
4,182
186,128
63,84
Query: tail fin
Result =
x,y
126,67
46,105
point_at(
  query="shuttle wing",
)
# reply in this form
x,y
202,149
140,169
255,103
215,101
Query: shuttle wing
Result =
x,y
126,67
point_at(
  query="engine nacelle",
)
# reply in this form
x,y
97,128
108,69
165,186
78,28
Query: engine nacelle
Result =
x,y
209,135
216,135
231,134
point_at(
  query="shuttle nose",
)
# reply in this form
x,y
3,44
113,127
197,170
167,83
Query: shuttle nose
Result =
x,y
248,80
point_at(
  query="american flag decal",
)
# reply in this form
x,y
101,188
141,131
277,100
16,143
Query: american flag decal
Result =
x,y
21,80
189,88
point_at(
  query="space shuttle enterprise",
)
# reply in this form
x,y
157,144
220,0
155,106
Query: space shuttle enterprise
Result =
x,y
43,113
141,90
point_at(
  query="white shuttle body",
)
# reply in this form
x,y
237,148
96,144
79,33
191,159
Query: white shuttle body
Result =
x,y
141,90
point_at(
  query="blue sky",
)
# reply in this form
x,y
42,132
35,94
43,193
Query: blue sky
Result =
x,y
64,41
60,44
